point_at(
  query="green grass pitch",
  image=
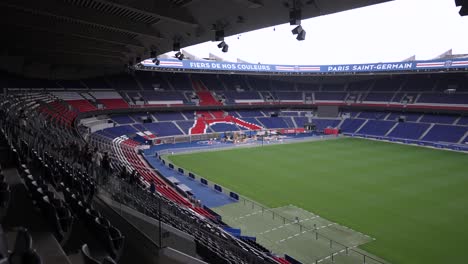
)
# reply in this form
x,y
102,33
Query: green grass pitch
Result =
x,y
412,200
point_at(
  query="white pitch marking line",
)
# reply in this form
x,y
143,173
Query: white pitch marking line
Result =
x,y
247,215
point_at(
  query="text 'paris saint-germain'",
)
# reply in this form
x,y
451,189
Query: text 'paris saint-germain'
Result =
x,y
371,67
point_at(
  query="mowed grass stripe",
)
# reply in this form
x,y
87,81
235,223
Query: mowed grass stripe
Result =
x,y
413,200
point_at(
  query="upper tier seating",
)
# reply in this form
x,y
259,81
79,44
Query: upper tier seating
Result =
x,y
152,81
330,96
308,87
360,86
419,83
387,84
68,96
333,87
96,83
179,81
442,98
258,84
165,97
110,99
281,86
452,81
378,97
234,82
398,97
82,105
242,96
106,95
76,101
210,81
289,96
123,82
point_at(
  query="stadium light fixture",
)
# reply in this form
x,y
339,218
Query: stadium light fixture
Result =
x,y
179,55
301,35
464,11
300,32
297,30
223,46
464,7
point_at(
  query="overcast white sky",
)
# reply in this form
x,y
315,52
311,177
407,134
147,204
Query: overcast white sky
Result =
x,y
386,32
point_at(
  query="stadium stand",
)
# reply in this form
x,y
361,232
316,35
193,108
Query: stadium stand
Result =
x,y
325,123
376,127
110,99
409,130
351,125
445,133
441,119
122,119
378,97
128,131
330,96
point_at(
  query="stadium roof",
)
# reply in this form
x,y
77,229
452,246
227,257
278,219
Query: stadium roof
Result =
x,y
80,38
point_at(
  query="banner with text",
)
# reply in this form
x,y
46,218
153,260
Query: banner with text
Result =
x,y
346,68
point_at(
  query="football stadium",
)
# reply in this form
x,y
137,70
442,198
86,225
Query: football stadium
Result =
x,y
121,143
